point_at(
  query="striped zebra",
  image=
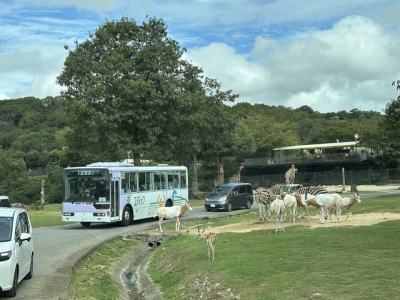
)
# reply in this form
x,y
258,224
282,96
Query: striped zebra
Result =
x,y
264,197
277,189
310,191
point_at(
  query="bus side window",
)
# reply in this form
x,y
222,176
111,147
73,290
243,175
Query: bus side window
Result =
x,y
144,181
124,182
170,179
183,180
164,184
176,183
132,182
157,183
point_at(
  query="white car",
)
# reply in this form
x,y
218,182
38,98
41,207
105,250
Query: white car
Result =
x,y
16,249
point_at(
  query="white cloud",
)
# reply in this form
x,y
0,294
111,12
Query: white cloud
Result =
x,y
348,66
233,70
97,5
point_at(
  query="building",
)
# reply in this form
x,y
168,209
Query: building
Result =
x,y
312,158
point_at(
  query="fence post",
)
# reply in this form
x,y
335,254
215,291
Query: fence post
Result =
x,y
343,181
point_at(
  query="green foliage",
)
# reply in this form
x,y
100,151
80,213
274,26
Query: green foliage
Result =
x,y
53,184
269,132
25,190
386,138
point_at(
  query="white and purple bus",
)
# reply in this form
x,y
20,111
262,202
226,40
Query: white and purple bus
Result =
x,y
107,192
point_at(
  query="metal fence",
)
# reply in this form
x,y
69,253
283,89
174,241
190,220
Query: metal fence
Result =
x,y
358,177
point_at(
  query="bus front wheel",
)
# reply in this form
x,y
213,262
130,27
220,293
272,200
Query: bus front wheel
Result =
x,y
126,217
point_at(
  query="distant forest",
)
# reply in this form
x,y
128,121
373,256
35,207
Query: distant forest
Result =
x,y
38,140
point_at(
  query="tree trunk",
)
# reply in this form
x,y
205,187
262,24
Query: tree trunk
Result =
x,y
136,159
220,170
195,186
42,198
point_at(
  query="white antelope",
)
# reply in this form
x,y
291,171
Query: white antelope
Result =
x,y
324,202
211,240
171,213
301,203
290,204
278,208
348,202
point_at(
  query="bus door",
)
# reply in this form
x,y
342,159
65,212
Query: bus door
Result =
x,y
114,203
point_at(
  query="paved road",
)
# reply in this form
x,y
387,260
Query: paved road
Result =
x,y
58,248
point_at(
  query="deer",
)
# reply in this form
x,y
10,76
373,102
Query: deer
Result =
x,y
211,239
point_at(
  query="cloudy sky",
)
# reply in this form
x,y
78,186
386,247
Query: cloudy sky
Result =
x,y
331,55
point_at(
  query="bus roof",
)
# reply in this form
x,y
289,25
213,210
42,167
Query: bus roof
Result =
x,y
124,166
110,164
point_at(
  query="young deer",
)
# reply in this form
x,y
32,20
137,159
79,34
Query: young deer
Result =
x,y
211,239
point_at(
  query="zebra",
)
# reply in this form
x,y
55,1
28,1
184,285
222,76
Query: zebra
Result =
x,y
309,191
277,189
264,197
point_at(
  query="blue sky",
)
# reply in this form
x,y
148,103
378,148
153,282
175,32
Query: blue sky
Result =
x,y
331,55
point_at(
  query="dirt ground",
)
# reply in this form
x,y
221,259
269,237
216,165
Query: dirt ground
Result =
x,y
355,220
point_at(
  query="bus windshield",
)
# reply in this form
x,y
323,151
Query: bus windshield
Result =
x,y
89,185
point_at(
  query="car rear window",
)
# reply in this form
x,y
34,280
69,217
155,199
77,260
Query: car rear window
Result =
x,y
5,203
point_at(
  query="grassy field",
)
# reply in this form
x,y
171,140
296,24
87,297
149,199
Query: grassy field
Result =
x,y
49,216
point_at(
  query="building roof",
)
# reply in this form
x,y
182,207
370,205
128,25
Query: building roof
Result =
x,y
318,146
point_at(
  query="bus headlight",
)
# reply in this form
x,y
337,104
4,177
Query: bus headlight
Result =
x,y
99,214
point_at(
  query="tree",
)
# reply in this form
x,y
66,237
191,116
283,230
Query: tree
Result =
x,y
268,132
125,88
388,142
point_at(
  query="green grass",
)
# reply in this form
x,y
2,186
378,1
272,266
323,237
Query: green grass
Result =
x,y
49,216
91,277
352,262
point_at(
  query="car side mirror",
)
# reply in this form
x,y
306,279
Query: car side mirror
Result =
x,y
24,237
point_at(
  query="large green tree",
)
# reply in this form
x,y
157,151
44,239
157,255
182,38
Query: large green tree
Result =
x,y
127,89
388,142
